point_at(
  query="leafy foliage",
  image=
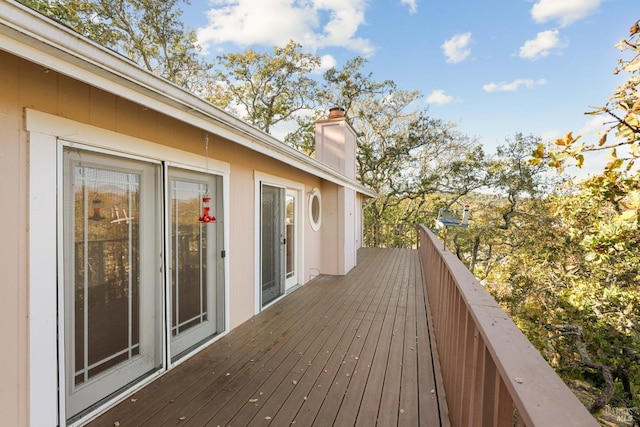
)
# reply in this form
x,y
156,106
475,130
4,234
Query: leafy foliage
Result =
x,y
344,87
619,180
149,32
266,89
574,287
563,279
407,156
564,263
403,154
503,221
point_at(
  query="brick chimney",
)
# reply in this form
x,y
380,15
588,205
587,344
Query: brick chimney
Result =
x,y
336,143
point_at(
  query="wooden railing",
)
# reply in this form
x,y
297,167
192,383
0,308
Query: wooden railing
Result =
x,y
493,376
390,235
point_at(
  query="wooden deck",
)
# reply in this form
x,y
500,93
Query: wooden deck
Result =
x,y
342,351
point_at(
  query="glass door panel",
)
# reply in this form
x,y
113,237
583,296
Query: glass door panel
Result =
x,y
196,295
272,236
291,240
110,277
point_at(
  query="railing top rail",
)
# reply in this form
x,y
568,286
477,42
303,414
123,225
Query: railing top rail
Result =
x,y
540,395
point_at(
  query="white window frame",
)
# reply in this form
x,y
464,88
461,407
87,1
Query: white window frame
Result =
x,y
276,181
46,386
315,194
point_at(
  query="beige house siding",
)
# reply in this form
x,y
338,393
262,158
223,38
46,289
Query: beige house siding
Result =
x,y
26,85
13,250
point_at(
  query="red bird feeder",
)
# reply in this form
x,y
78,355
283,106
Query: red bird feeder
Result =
x,y
206,207
97,216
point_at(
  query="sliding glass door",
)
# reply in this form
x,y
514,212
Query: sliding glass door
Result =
x,y
272,242
112,315
196,297
111,275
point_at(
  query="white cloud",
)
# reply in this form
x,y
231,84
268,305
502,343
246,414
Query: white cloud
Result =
x,y
456,48
596,124
513,86
541,46
312,23
439,97
413,5
590,132
564,11
281,129
552,135
327,62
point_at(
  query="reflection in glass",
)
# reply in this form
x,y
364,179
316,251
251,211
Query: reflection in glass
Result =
x,y
272,248
188,257
107,275
290,225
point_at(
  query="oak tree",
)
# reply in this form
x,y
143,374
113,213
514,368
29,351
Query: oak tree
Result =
x,y
266,89
149,32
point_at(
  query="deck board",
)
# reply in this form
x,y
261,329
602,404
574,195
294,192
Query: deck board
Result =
x,y
341,350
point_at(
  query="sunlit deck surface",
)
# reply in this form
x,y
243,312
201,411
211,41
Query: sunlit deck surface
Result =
x,y
343,351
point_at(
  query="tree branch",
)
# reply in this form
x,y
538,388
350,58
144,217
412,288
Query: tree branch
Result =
x,y
607,392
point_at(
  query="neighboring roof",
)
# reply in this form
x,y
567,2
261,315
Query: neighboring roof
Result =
x,y
34,37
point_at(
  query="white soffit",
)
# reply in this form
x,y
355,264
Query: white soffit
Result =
x,y
40,40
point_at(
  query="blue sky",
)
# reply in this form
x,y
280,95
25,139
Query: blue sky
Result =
x,y
494,67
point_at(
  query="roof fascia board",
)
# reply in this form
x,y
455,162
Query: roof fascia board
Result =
x,y
40,40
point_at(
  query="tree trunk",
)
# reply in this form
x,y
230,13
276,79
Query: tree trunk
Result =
x,y
608,390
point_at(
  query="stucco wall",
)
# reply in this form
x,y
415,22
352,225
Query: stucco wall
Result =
x,y
25,85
